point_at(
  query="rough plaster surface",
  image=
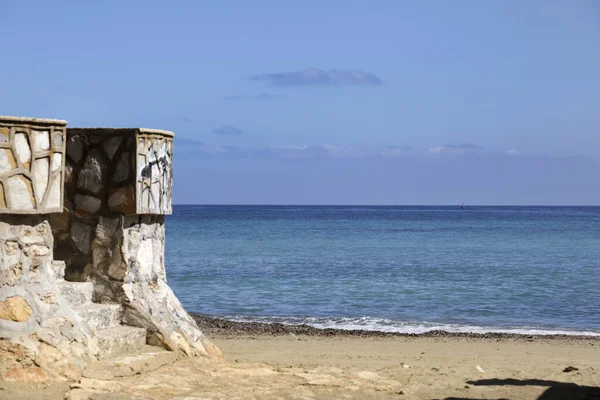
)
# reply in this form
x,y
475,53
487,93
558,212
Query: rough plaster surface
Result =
x,y
150,302
41,336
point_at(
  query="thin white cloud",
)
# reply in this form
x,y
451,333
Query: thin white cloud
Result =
x,y
227,130
436,150
319,77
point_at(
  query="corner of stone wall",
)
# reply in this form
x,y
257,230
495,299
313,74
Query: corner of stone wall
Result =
x,y
150,302
41,337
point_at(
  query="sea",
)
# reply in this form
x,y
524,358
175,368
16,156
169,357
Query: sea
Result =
x,y
409,269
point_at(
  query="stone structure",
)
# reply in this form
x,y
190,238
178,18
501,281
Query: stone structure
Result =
x,y
88,281
31,165
126,170
40,332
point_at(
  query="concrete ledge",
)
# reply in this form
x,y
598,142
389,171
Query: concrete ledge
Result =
x,y
32,120
120,131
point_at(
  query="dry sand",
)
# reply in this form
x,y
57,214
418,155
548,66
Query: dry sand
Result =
x,y
432,368
283,365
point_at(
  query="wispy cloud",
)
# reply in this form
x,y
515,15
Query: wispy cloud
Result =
x,y
464,146
227,130
259,96
267,96
454,149
319,77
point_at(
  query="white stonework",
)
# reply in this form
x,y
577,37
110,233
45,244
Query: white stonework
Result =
x,y
19,193
41,141
22,148
42,325
40,171
109,294
31,165
7,162
57,161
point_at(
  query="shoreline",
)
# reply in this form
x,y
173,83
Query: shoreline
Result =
x,y
218,326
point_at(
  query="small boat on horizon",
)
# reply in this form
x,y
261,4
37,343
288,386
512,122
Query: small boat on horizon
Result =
x,y
462,206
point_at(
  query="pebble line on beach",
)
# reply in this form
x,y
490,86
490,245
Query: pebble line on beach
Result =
x,y
221,326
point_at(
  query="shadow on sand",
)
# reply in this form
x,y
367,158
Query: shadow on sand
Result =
x,y
556,390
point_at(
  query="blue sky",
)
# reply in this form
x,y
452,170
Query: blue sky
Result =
x,y
329,102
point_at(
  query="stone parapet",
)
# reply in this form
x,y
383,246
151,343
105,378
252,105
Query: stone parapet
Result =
x,y
31,165
119,170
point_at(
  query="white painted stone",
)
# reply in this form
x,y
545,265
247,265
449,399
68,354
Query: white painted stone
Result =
x,y
155,197
41,140
141,164
40,178
22,148
151,155
163,149
55,195
57,139
145,201
56,161
145,257
18,193
53,324
5,160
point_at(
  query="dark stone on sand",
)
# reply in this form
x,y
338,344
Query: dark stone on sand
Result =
x,y
220,326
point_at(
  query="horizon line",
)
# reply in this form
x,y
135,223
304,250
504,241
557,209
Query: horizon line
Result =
x,y
385,205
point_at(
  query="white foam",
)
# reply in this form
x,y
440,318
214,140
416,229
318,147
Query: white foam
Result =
x,y
387,325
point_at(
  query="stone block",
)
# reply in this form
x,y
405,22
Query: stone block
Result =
x,y
31,165
138,160
15,309
58,268
100,316
77,293
120,340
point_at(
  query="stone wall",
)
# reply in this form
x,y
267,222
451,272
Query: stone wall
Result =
x,y
154,172
109,173
115,186
31,165
41,337
118,188
149,301
119,171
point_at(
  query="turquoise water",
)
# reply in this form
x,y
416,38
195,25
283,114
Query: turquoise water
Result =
x,y
404,269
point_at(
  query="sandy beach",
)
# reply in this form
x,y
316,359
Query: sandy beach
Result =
x,y
428,368
270,361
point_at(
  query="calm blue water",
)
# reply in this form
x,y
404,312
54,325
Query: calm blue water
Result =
x,y
407,269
